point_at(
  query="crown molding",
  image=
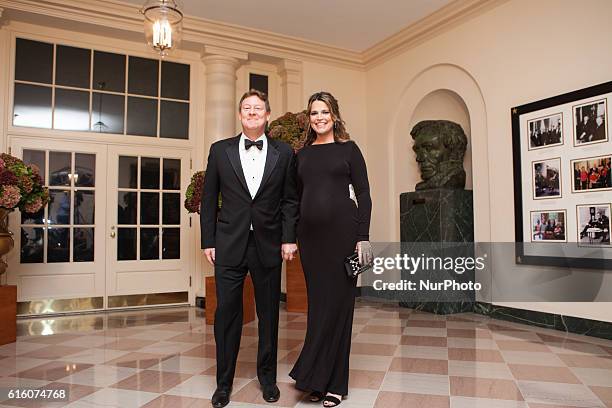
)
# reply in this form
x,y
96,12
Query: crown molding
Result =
x,y
198,31
122,16
226,52
447,17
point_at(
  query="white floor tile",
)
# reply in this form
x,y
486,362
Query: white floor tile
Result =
x,y
116,398
96,356
373,363
436,353
100,375
479,369
562,394
594,376
187,365
468,402
203,386
416,383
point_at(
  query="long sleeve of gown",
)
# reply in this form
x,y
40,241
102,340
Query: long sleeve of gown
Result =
x,y
359,178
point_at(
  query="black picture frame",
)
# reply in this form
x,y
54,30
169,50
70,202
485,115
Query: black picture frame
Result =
x,y
520,141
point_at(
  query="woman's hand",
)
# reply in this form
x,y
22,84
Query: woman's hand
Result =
x,y
364,252
288,251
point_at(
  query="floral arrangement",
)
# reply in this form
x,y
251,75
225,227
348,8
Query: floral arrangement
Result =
x,y
21,186
193,196
289,128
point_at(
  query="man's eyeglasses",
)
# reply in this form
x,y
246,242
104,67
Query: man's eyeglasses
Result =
x,y
256,109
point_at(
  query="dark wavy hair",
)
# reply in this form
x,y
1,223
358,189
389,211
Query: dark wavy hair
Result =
x,y
340,133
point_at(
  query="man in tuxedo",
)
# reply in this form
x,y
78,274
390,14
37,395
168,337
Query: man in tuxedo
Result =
x,y
253,179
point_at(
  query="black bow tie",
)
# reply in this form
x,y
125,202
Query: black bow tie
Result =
x,y
248,143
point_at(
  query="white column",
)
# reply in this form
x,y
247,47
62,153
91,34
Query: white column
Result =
x,y
290,72
220,101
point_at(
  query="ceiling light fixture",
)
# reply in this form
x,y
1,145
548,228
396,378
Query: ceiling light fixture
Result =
x,y
163,25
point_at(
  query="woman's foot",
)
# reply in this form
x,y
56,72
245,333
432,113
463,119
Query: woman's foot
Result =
x,y
332,400
315,396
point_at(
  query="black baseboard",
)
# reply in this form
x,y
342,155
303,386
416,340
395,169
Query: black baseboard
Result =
x,y
570,324
200,302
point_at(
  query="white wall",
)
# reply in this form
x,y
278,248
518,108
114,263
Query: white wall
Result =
x,y
519,52
348,86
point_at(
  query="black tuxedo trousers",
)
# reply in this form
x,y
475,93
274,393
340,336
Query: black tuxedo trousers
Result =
x,y
228,316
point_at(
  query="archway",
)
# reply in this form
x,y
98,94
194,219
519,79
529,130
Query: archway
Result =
x,y
461,101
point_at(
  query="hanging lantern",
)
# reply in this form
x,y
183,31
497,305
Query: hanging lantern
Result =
x,y
163,25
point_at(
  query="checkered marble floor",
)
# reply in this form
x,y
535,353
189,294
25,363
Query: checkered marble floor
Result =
x,y
399,358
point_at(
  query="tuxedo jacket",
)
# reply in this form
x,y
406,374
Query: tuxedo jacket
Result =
x,y
273,211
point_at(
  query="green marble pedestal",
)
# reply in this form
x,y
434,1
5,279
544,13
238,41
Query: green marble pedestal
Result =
x,y
439,215
444,216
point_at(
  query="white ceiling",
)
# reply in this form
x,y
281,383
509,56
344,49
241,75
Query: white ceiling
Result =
x,y
351,24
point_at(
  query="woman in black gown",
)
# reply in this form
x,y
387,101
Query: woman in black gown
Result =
x,y
331,227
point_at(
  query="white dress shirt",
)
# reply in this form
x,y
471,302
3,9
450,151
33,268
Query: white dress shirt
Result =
x,y
253,162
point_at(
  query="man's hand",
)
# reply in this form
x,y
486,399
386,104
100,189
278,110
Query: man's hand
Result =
x,y
210,255
288,251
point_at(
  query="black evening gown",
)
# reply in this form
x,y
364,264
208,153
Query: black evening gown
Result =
x,y
330,226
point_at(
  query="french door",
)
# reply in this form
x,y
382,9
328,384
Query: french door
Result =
x,y
114,234
148,229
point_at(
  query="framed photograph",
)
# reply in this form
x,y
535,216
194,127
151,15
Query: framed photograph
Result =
x,y
593,225
592,174
547,179
590,123
548,226
563,189
545,132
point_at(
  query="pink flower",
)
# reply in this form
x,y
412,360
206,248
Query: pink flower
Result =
x,y
26,184
10,196
1,164
34,206
10,160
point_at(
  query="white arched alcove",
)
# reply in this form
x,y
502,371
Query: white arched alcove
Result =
x,y
449,92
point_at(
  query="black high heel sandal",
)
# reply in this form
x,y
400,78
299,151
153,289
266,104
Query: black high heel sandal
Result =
x,y
330,398
315,396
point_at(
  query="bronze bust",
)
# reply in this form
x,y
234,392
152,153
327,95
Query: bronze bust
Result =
x,y
439,146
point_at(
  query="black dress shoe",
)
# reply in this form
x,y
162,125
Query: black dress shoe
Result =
x,y
271,393
220,398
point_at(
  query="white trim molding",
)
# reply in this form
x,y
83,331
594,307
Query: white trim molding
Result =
x,y
199,31
226,52
447,17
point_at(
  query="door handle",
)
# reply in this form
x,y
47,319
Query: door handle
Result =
x,y
112,234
